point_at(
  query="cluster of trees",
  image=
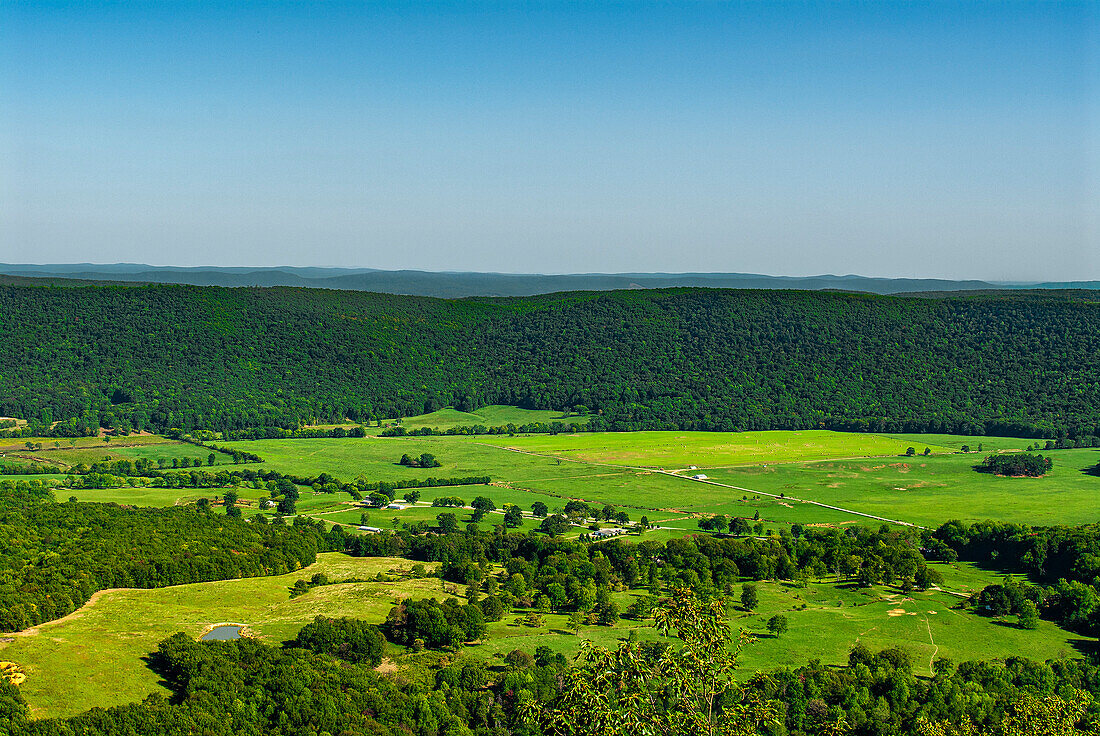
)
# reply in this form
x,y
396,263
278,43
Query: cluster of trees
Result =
x,y
720,523
1017,464
548,574
28,469
347,638
1064,562
57,554
119,473
302,433
654,359
878,693
424,460
429,623
1009,598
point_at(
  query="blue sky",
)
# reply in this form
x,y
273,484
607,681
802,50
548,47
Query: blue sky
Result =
x,y
908,139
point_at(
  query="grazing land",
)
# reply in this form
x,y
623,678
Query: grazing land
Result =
x,y
96,656
680,450
495,415
861,475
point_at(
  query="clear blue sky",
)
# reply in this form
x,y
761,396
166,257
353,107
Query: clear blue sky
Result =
x,y
920,139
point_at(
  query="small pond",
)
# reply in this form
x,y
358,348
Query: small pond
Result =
x,y
222,633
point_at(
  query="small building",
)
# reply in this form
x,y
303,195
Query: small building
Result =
x,y
369,529
397,507
699,476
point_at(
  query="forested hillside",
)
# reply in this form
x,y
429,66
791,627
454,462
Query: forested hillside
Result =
x,y
207,357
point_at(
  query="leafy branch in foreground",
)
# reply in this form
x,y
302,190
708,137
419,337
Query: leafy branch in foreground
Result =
x,y
1030,716
684,690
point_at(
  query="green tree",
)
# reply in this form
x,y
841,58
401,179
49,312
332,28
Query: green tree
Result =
x,y
1028,615
687,690
513,517
750,599
777,625
448,523
481,506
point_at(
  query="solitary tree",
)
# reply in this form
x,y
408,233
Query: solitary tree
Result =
x,y
749,597
777,624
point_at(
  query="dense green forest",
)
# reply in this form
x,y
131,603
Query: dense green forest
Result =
x,y
228,359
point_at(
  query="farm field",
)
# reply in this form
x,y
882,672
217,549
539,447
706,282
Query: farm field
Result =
x,y
680,450
495,415
929,491
95,656
48,443
922,490
925,624
61,453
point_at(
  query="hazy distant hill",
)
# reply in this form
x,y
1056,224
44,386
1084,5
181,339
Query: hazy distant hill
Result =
x,y
461,284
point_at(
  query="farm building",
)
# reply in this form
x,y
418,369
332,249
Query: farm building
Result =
x,y
699,476
369,529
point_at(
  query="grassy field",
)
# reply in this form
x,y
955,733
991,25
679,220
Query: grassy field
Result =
x,y
90,450
95,657
489,416
622,469
929,491
862,473
50,443
925,624
680,450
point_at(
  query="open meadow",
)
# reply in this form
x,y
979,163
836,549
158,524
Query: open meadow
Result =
x,y
864,477
96,656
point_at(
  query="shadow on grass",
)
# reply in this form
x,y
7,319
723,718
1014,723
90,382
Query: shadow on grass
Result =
x,y
1086,647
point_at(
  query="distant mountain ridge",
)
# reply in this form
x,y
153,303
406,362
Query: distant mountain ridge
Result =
x,y
453,284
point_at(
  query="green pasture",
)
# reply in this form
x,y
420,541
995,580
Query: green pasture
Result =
x,y
496,415
926,624
154,452
680,450
50,443
956,442
96,656
932,490
924,490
